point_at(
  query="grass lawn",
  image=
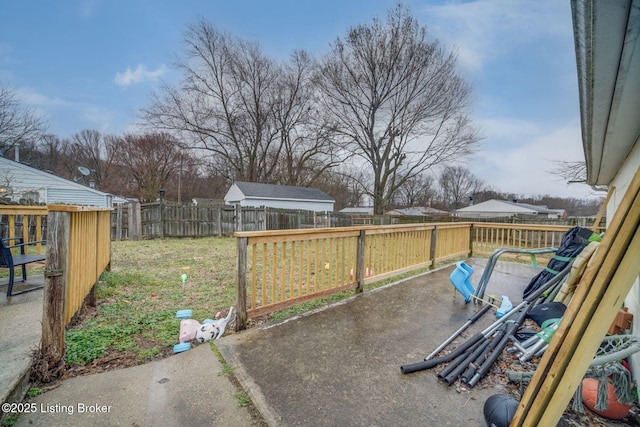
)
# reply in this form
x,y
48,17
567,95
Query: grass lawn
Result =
x,y
135,322
137,300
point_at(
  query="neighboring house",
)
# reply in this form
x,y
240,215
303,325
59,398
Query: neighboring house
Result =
x,y
418,211
503,209
607,40
206,202
278,196
357,210
560,212
22,182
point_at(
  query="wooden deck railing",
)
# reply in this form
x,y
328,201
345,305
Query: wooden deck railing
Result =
x,y
89,252
487,236
28,222
78,251
278,269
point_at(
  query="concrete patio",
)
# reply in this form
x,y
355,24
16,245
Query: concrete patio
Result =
x,y
20,331
341,365
336,366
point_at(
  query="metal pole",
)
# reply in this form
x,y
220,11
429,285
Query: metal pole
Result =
x,y
162,212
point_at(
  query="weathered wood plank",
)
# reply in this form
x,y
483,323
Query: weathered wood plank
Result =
x,y
52,346
241,265
561,367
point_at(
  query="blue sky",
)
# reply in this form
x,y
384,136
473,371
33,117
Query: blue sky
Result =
x,y
92,64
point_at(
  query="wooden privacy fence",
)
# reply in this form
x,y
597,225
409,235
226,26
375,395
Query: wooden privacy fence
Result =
x,y
279,269
78,251
134,221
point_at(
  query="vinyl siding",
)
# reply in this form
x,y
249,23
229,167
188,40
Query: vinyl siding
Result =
x,y
24,179
77,197
318,206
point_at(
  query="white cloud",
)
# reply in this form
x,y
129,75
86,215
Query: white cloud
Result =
x,y
37,99
485,29
139,75
521,156
87,8
99,117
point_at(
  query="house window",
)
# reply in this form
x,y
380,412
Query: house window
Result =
x,y
31,196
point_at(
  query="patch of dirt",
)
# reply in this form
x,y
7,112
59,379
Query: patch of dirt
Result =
x,y
117,359
85,313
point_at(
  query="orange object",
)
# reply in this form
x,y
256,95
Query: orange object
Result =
x,y
614,411
622,322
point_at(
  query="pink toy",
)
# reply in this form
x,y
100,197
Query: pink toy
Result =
x,y
191,329
188,329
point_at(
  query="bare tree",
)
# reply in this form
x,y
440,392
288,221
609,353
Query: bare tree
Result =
x,y
571,172
416,191
46,154
94,151
575,173
396,99
457,185
341,185
307,149
488,193
224,103
18,124
150,160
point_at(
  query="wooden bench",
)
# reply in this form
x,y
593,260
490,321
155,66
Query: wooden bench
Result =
x,y
11,261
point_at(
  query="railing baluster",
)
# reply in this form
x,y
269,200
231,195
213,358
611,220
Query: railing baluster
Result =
x,y
334,257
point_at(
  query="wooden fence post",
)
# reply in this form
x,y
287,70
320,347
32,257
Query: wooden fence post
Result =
x,y
161,207
472,231
134,221
241,265
237,218
118,235
360,272
52,346
432,249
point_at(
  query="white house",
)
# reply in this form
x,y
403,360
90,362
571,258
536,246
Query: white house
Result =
x,y
418,211
22,182
607,39
278,196
357,210
501,209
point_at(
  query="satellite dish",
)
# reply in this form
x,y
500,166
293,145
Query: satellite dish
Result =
x,y
84,171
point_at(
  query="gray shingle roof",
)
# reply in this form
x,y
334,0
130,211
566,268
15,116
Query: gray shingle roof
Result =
x,y
420,211
539,208
254,189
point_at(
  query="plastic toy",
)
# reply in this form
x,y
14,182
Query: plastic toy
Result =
x,y
461,280
614,409
191,329
505,307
